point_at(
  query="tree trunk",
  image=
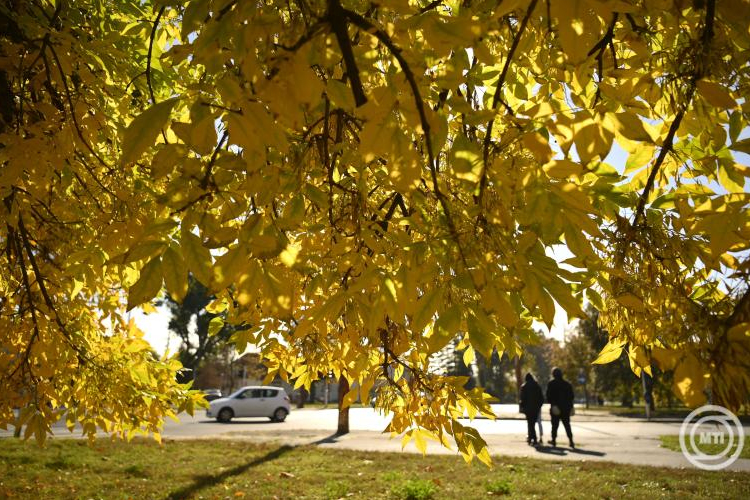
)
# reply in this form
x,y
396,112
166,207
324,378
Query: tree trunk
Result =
x,y
648,397
302,397
343,425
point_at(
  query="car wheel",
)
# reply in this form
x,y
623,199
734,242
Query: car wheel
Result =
x,y
279,415
225,415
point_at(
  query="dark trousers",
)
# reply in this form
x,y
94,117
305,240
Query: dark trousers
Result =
x,y
531,419
565,418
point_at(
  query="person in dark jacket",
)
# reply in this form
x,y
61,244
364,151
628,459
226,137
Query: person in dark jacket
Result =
x,y
560,397
531,405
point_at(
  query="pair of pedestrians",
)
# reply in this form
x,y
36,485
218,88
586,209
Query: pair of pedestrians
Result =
x,y
560,397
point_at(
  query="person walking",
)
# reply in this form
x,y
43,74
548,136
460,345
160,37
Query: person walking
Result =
x,y
560,397
539,424
531,402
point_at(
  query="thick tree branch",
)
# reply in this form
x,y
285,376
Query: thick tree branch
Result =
x,y
337,17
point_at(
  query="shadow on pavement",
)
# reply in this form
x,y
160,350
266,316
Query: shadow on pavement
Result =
x,y
581,451
554,450
550,450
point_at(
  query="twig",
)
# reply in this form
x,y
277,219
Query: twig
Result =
x,y
383,37
706,37
72,108
600,47
496,100
212,161
148,61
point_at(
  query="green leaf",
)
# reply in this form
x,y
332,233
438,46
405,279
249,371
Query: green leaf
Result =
x,y
143,130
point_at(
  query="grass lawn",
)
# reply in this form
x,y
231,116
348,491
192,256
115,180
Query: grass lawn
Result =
x,y
673,443
69,468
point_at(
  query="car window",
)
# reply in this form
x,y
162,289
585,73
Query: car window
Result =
x,y
255,393
270,393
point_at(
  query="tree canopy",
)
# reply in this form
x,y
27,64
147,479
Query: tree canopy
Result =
x,y
363,182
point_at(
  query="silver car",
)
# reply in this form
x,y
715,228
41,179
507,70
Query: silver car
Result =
x,y
251,401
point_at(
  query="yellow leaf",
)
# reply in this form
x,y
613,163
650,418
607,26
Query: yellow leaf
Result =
x,y
481,332
715,94
175,274
689,381
666,358
610,352
419,441
562,169
349,398
215,326
468,356
148,284
143,130
228,267
539,147
631,301
197,257
446,327
630,126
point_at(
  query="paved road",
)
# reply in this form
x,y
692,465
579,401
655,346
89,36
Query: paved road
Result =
x,y
598,437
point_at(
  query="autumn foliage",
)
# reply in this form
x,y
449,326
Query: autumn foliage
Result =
x,y
360,183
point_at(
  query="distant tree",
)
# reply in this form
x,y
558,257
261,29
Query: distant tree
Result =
x,y
191,321
542,357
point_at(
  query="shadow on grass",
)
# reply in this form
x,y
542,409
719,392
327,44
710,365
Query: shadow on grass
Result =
x,y
206,481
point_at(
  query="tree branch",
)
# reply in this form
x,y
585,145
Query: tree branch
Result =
x,y
496,100
337,17
383,37
212,161
706,38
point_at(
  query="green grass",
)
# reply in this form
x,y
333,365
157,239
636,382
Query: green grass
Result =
x,y
673,443
69,468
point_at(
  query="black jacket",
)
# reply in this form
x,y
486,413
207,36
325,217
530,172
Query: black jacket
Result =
x,y
531,397
560,394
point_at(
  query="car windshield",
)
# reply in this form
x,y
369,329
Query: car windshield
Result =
x,y
237,392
